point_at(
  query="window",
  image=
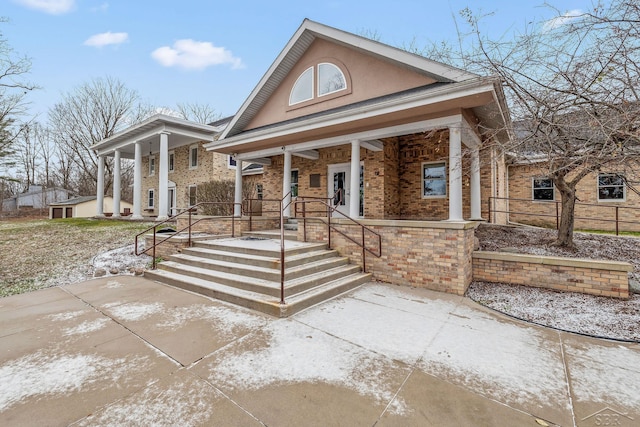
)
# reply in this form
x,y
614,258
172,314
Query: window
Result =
x,y
171,161
193,157
294,183
303,88
231,162
611,187
151,198
543,189
152,165
330,79
193,191
434,179
259,191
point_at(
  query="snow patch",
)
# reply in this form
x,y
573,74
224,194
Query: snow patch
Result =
x,y
295,353
606,375
67,315
42,374
86,327
225,318
113,284
134,311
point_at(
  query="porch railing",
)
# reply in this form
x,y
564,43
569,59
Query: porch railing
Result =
x,y
190,213
329,205
611,213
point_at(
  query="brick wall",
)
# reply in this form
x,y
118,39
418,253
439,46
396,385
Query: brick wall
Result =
x,y
392,177
603,278
544,213
432,255
210,166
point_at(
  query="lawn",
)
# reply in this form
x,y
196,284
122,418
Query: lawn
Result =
x,y
39,253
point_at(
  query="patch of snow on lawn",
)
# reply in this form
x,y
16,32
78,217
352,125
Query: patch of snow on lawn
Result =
x,y
296,353
42,373
501,360
122,258
181,404
87,327
67,315
225,319
606,375
134,311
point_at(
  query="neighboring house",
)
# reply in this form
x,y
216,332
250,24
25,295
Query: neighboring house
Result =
x,y
36,196
170,162
601,197
86,207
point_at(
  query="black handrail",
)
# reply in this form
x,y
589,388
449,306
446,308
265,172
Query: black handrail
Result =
x,y
330,211
493,210
189,212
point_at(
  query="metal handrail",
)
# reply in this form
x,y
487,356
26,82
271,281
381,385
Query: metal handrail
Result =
x,y
330,211
493,210
189,211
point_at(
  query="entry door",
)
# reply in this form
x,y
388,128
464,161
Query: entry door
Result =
x,y
340,179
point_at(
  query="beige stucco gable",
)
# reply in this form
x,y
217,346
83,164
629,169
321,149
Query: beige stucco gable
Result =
x,y
367,77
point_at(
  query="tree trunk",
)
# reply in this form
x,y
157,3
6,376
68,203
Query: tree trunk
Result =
x,y
568,204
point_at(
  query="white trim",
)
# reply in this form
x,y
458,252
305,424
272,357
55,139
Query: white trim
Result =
x,y
172,154
624,189
152,172
153,199
438,196
191,149
298,81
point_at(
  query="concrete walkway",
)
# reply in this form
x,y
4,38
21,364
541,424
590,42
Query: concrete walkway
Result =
x,y
127,351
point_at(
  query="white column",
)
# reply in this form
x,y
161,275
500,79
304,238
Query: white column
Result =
x,y
455,174
237,208
354,201
116,184
100,188
286,184
476,211
163,178
137,182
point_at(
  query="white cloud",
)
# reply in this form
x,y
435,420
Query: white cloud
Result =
x,y
53,7
104,39
191,54
563,19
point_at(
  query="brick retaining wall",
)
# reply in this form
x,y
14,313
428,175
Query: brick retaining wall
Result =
x,y
435,255
604,278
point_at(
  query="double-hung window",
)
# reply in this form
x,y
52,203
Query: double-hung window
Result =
x,y
543,189
611,187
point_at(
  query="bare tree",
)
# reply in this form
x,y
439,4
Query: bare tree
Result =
x,y
13,91
200,113
572,85
90,113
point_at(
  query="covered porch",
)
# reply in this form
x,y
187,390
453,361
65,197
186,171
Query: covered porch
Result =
x,y
154,139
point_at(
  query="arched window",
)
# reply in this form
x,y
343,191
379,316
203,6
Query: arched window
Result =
x,y
303,88
330,79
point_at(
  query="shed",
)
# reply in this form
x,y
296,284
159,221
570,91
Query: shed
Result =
x,y
85,207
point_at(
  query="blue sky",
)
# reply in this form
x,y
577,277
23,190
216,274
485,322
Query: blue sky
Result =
x,y
214,52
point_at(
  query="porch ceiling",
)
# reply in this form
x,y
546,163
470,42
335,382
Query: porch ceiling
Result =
x,y
181,132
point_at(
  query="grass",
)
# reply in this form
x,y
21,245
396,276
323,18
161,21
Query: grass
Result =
x,y
38,253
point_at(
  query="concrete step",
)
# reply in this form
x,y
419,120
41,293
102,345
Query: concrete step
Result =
x,y
266,273
262,247
257,301
289,234
259,260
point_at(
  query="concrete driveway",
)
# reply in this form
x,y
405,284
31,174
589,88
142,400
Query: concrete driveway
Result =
x,y
127,351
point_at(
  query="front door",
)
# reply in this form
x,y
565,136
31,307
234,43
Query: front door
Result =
x,y
339,183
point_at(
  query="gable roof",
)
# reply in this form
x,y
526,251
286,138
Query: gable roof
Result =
x,y
308,32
